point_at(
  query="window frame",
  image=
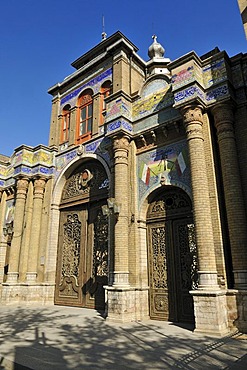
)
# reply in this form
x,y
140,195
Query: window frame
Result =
x,y
65,124
85,101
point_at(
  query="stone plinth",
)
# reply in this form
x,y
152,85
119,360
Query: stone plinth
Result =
x,y
28,293
125,304
237,309
210,308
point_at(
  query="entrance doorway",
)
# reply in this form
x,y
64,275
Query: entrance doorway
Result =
x,y
172,256
82,262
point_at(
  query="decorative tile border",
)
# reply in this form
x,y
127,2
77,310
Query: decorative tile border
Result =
x,y
119,125
31,157
188,94
214,73
119,107
62,160
183,77
27,161
98,147
193,92
219,92
95,83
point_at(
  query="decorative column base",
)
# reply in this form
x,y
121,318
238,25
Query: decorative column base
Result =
x,y
210,309
121,278
12,277
240,279
31,277
127,304
208,280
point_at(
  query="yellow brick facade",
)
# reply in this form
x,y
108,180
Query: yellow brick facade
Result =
x,y
147,216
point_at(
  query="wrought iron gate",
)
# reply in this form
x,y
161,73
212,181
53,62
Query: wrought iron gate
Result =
x,y
82,258
172,257
82,262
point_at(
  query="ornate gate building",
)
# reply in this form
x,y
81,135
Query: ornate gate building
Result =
x,y
137,207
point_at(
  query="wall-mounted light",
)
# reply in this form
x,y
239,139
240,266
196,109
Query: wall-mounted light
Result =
x,y
106,210
8,229
112,207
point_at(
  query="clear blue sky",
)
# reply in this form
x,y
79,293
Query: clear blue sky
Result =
x,y
40,38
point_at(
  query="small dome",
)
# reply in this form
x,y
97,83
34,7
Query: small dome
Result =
x,y
156,50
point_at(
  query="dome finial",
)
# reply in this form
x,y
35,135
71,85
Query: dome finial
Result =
x,y
155,50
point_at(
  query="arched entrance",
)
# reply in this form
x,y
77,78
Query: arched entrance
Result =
x,y
82,262
172,255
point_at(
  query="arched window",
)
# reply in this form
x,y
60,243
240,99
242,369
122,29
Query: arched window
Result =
x,y
65,124
85,116
104,92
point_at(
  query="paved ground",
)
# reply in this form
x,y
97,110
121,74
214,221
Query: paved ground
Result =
x,y
53,337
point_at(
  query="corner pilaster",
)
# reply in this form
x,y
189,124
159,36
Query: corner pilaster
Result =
x,y
38,195
236,215
209,301
21,194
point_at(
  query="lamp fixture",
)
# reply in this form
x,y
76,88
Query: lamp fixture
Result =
x,y
112,207
8,229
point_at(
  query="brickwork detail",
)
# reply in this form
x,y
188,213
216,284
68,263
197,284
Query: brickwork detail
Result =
x,y
236,216
21,194
193,120
121,262
38,195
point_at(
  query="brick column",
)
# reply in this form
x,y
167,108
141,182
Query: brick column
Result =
x,y
123,300
121,255
38,196
193,121
236,216
3,241
209,300
21,194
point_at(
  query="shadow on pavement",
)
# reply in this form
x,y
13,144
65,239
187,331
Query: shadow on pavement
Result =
x,y
54,339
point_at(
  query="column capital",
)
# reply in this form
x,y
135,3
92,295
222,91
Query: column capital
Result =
x,y
193,121
22,183
39,185
224,120
121,142
39,182
223,112
192,114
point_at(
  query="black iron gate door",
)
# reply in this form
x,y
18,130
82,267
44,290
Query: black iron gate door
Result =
x,y
82,263
172,270
172,257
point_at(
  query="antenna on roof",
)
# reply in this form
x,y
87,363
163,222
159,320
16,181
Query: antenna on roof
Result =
x,y
153,33
103,35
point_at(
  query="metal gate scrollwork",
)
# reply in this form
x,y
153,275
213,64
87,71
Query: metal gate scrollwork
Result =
x,y
100,255
172,256
188,256
70,256
159,258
